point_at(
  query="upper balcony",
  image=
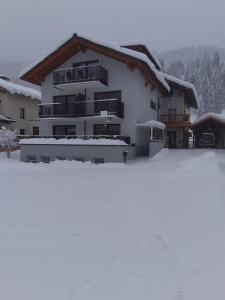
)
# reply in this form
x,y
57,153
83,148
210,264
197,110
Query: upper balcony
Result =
x,y
83,109
176,120
93,75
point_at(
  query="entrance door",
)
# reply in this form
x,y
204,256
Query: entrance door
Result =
x,y
171,140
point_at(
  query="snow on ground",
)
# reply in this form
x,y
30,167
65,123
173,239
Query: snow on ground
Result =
x,y
151,229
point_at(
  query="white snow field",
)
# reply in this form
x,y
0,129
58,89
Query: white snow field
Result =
x,y
150,229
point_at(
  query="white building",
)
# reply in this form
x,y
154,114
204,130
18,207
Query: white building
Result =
x,y
19,107
91,90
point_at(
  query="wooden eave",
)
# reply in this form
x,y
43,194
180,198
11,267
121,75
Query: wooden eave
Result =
x,y
76,44
188,91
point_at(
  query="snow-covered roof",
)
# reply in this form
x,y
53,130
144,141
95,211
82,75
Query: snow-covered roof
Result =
x,y
5,119
15,88
209,116
77,141
152,123
142,43
114,46
183,84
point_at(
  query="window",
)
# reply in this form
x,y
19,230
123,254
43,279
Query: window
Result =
x,y
36,130
85,63
108,95
31,158
98,160
153,104
107,129
45,159
78,158
22,113
60,158
62,130
112,105
157,134
22,131
69,105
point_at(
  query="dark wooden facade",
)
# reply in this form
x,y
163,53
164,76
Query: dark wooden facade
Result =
x,y
209,132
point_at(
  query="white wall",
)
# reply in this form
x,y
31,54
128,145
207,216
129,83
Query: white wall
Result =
x,y
10,107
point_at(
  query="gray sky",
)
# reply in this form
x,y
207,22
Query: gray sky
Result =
x,y
29,28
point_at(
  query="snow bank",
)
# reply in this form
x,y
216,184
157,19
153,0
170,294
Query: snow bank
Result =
x,y
205,164
77,141
14,88
161,155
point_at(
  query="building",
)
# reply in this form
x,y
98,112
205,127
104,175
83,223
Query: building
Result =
x,y
102,97
209,131
19,105
175,111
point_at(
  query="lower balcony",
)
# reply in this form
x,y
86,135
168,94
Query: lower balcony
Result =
x,y
177,120
82,109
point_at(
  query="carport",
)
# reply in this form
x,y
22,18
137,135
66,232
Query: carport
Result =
x,y
209,131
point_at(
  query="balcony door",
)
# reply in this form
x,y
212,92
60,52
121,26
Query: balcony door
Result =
x,y
69,105
107,129
85,70
111,101
172,115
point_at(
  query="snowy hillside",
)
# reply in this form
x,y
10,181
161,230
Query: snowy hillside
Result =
x,y
151,229
205,68
189,54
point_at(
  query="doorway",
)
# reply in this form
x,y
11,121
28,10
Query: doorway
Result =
x,y
171,137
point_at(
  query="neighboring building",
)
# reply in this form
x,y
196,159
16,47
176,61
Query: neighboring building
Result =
x,y
209,131
19,106
175,111
93,90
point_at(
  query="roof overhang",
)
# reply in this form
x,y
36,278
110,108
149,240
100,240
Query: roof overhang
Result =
x,y
152,124
76,44
140,47
187,88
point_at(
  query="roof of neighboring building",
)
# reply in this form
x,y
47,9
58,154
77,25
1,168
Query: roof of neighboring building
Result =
x,y
185,86
76,43
5,119
216,118
7,86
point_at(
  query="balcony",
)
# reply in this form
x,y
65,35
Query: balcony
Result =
x,y
93,74
123,138
113,107
178,120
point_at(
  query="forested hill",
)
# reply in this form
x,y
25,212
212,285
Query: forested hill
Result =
x,y
205,68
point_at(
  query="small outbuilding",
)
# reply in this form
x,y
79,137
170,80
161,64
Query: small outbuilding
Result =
x,y
209,131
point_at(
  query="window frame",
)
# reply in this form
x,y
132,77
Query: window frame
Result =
x,y
22,113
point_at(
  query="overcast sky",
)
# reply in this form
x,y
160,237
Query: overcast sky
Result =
x,y
29,28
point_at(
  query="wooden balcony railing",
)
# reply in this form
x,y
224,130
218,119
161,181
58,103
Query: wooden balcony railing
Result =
x,y
178,120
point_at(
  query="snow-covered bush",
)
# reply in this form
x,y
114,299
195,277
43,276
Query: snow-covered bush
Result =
x,y
7,140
